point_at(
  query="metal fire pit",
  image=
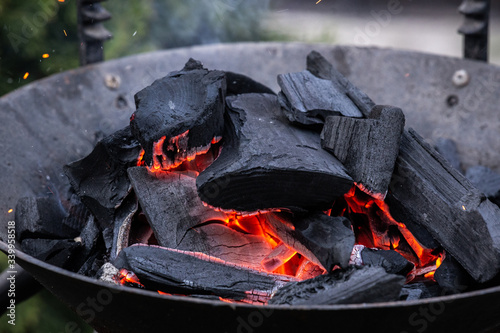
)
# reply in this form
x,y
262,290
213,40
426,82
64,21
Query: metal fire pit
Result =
x,y
57,120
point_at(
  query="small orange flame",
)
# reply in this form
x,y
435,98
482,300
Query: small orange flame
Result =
x,y
128,277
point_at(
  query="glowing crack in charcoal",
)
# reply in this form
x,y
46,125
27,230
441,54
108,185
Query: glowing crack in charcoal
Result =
x,y
169,155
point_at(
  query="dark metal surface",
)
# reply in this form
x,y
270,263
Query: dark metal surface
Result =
x,y
475,28
91,32
57,120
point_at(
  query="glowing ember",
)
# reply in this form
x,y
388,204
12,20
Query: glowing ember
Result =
x,y
65,34
10,211
45,55
26,75
378,229
129,278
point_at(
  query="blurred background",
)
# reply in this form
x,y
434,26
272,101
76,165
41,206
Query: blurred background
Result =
x,y
39,38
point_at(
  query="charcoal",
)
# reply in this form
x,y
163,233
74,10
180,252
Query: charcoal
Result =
x,y
448,149
123,221
356,285
368,148
218,240
306,99
42,218
237,84
186,107
100,179
390,260
419,290
430,192
171,204
320,67
486,180
451,276
325,240
58,252
277,257
89,236
174,271
266,163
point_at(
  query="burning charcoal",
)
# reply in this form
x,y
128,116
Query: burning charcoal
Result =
x,y
448,149
182,272
356,285
108,273
100,179
390,260
180,114
42,218
368,148
241,84
122,224
430,192
306,99
420,290
171,204
486,180
324,240
58,252
320,67
266,163
220,241
451,276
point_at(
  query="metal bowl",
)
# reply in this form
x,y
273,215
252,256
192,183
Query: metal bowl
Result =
x,y
57,120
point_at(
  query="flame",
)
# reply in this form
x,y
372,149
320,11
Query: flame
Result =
x,y
126,277
384,232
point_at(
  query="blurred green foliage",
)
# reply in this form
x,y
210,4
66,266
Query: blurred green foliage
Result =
x,y
41,313
32,28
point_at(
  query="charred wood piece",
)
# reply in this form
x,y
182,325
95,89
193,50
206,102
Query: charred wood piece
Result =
x,y
420,290
100,179
428,191
320,67
43,218
265,163
451,276
356,285
171,204
180,114
390,260
64,253
217,240
122,224
306,99
368,148
325,240
188,273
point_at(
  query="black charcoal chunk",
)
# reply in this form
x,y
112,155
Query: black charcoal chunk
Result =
x,y
448,149
353,286
100,179
390,260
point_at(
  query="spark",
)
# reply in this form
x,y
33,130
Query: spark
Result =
x,y
318,1
26,75
61,1
10,211
65,34
463,207
45,55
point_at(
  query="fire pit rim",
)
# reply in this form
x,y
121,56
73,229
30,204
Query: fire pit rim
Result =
x,y
57,270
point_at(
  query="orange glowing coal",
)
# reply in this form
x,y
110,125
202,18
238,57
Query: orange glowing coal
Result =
x,y
174,154
129,278
376,228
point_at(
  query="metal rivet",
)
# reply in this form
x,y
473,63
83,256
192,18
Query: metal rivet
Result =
x,y
461,78
112,81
